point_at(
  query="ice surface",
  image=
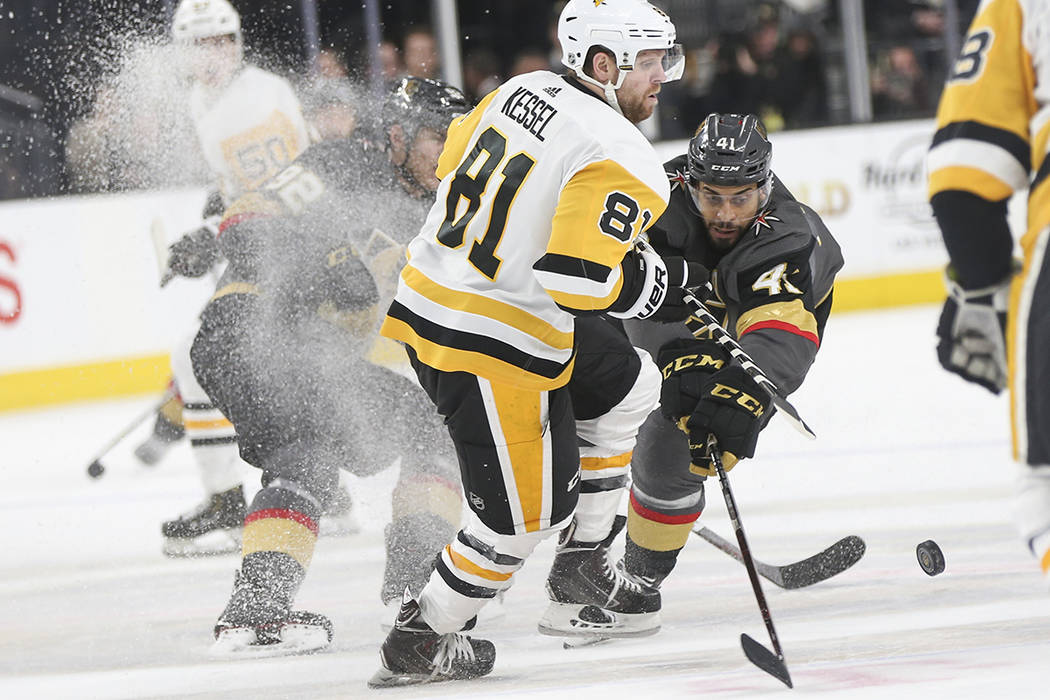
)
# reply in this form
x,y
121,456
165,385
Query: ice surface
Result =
x,y
905,452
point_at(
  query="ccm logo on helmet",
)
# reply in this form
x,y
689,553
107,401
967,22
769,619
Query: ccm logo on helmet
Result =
x,y
727,168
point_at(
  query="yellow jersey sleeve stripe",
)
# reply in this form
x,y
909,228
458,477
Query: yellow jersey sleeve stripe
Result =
x,y
469,302
969,179
458,136
591,224
996,153
585,302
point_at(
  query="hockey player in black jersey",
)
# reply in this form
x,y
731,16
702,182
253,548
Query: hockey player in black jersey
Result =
x,y
288,351
773,265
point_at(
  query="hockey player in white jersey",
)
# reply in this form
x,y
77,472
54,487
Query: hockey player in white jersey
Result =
x,y
249,125
545,187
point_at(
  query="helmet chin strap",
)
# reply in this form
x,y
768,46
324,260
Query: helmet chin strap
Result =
x,y
608,89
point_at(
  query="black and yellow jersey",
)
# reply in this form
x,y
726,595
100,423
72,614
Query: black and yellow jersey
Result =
x,y
305,238
993,122
544,190
773,289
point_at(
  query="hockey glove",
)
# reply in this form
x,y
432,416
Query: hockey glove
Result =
x,y
687,364
651,277
693,276
731,408
195,253
971,333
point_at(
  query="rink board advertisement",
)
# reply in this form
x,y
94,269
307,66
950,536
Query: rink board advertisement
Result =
x,y
81,311
82,315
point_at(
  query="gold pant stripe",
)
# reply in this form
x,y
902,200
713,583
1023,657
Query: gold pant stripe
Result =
x,y
1045,562
279,535
659,537
521,422
470,567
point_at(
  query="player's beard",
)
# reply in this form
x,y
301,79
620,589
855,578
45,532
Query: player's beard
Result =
x,y
720,235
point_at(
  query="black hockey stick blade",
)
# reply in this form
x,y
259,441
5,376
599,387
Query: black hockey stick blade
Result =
x,y
766,660
822,566
819,567
789,412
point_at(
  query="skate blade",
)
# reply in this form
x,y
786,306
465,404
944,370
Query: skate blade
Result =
x,y
212,544
583,642
385,678
589,621
243,643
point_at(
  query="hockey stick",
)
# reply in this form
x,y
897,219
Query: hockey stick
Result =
x,y
770,662
159,236
96,468
721,335
819,567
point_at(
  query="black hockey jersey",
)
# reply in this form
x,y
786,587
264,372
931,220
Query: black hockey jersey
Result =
x,y
774,286
305,238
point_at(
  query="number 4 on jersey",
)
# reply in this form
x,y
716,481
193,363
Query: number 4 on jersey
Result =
x,y
775,281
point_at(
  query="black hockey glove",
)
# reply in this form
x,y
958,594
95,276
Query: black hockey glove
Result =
x,y
687,364
691,275
731,408
971,333
195,253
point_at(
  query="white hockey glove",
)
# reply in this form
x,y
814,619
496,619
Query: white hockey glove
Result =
x,y
658,276
971,333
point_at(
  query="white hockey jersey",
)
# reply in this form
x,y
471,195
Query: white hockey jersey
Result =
x,y
250,130
544,188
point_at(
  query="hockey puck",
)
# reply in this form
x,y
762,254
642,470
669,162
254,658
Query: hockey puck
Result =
x,y
95,469
930,557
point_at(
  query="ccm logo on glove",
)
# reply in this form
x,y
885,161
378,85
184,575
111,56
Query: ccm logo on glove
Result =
x,y
747,401
693,361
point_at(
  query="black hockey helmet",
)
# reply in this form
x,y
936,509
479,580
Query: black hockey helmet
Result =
x,y
415,103
728,150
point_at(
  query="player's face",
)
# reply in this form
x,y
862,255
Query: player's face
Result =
x,y
422,160
638,94
728,211
215,59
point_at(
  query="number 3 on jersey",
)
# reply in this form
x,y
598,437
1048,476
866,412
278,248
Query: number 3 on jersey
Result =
x,y
470,182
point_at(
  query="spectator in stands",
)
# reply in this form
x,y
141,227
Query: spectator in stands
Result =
x,y
529,60
802,87
390,66
419,49
481,73
329,98
899,86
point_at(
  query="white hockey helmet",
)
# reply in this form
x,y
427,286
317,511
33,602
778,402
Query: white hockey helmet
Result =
x,y
203,19
624,27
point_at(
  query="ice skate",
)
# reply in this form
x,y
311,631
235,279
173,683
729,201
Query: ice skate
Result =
x,y
413,653
591,598
339,517
258,622
213,527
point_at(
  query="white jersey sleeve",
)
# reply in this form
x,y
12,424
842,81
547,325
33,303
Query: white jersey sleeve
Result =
x,y
250,130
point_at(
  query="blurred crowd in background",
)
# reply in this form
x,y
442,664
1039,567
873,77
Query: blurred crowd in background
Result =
x,y
77,76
